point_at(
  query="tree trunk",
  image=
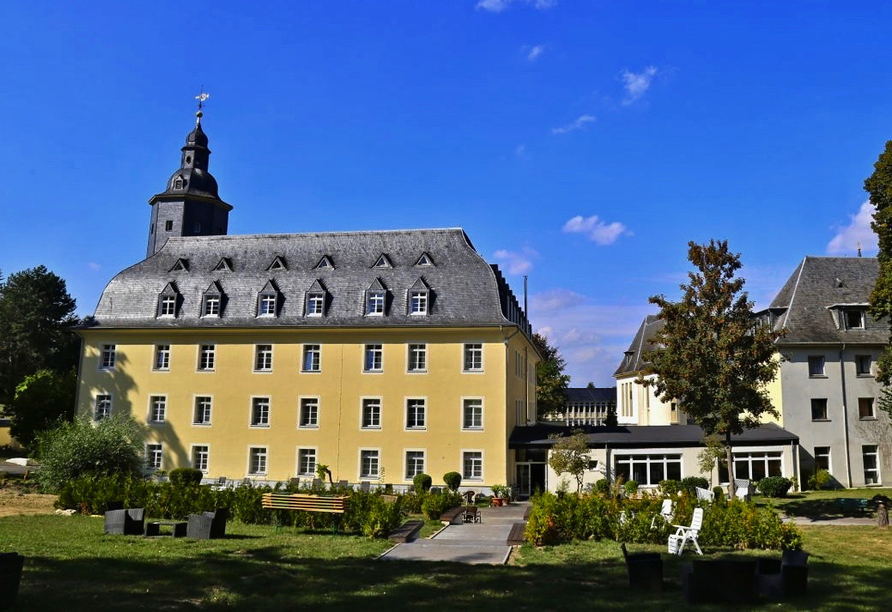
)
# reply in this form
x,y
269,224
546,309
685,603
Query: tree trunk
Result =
x,y
732,493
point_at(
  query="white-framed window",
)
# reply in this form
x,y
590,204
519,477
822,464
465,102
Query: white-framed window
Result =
x,y
207,357
863,365
418,303
472,413
263,358
210,306
201,454
369,464
649,470
816,365
202,413
260,408
374,358
416,409
102,407
154,453
822,458
472,465
157,408
107,357
871,457
309,412
416,358
167,306
315,304
414,463
865,408
162,357
312,360
375,302
257,456
266,304
473,357
371,413
306,462
854,318
819,409
757,465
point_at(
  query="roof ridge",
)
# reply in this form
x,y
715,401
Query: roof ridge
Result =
x,y
793,295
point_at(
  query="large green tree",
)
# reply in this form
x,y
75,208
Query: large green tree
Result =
x,y
36,317
40,401
569,454
712,357
551,382
879,186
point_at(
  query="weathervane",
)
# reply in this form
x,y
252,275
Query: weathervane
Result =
x,y
201,97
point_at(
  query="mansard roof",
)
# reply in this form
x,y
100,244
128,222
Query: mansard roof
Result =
x,y
810,307
633,360
469,291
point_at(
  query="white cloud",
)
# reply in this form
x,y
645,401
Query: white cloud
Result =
x,y
597,231
497,6
94,266
858,230
637,83
517,263
533,52
578,124
555,299
521,151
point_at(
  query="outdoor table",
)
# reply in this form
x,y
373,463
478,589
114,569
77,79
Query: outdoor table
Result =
x,y
177,528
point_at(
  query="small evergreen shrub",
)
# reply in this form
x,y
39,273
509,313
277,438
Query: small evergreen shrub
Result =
x,y
422,482
821,479
452,480
185,476
718,494
435,504
694,482
602,486
631,487
670,488
774,486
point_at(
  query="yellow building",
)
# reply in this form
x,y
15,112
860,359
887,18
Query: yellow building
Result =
x,y
380,354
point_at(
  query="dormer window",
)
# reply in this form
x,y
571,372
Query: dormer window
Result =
x,y
181,265
268,301
418,303
315,300
324,264
224,265
278,264
375,304
178,183
168,301
424,260
854,319
382,262
212,301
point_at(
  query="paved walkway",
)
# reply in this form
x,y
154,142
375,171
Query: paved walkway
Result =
x,y
475,543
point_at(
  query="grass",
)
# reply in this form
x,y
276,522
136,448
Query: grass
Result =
x,y
821,504
72,566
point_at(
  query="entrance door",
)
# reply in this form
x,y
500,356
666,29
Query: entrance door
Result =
x,y
523,480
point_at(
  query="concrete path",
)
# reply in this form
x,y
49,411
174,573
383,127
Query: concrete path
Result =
x,y
475,543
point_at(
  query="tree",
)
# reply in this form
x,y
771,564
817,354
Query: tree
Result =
x,y
40,401
551,382
879,186
713,358
36,317
569,454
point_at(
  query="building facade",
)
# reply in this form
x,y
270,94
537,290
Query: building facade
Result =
x,y
379,354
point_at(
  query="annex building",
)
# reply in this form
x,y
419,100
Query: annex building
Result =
x,y
380,354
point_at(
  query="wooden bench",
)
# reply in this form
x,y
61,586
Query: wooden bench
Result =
x,y
517,537
406,532
305,503
453,516
851,504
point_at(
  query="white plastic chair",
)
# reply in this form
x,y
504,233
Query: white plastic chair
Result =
x,y
684,534
667,512
704,494
742,489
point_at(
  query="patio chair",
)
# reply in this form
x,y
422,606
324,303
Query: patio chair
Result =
x,y
684,534
645,570
471,514
703,494
667,513
125,522
294,483
207,525
10,577
784,577
742,489
469,497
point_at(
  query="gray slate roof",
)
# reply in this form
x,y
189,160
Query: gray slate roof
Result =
x,y
644,436
578,395
803,306
465,290
633,360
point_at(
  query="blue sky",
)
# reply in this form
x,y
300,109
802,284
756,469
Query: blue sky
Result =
x,y
580,143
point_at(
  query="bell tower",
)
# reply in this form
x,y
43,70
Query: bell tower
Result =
x,y
190,206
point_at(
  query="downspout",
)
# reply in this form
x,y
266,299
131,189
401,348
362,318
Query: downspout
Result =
x,y
845,415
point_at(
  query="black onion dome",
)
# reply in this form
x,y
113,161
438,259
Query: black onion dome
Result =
x,y
192,181
197,137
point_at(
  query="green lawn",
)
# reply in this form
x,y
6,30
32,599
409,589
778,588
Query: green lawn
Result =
x,y
821,504
72,566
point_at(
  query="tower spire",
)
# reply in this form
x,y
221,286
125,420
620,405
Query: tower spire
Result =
x,y
201,97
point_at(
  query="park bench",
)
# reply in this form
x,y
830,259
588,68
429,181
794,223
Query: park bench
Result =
x,y
517,535
453,516
406,532
849,505
305,503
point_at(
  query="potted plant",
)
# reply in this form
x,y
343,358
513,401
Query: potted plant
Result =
x,y
497,494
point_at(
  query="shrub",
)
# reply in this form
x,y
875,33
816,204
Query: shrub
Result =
x,y
631,487
412,502
185,476
70,450
670,488
452,480
602,487
435,504
691,482
422,482
821,479
718,494
774,486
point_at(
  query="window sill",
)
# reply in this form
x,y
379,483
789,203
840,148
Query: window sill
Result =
x,y
157,423
308,427
416,428
472,429
162,371
256,426
871,418
201,424
311,371
263,371
370,428
864,376
472,371
381,371
205,371
817,376
821,420
416,371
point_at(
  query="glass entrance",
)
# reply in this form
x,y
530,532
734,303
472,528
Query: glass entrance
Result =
x,y
523,480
